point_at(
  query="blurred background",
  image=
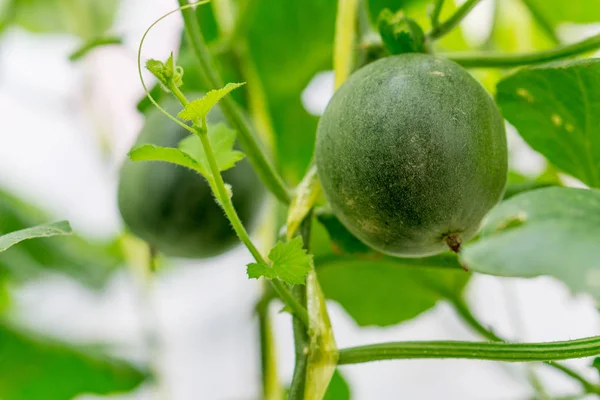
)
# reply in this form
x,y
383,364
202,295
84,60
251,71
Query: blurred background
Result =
x,y
66,127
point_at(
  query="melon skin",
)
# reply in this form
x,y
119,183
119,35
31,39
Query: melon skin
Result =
x,y
410,150
171,207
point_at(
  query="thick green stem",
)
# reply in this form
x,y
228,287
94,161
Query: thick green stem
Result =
x,y
541,20
447,26
301,338
508,352
491,60
246,136
463,310
272,389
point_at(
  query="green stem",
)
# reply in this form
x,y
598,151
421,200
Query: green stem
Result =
x,y
232,216
344,38
445,27
508,352
463,310
491,60
301,338
226,203
435,14
246,136
541,20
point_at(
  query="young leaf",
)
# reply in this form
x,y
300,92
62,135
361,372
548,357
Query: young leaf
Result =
x,y
221,139
149,152
157,68
289,262
551,231
199,108
55,229
556,110
400,34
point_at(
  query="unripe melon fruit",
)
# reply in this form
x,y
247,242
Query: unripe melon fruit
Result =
x,y
173,208
411,154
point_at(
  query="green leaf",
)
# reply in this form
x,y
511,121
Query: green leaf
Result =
x,y
556,109
322,349
338,388
551,231
37,368
199,108
149,152
84,18
89,263
342,240
518,183
381,290
289,262
385,290
55,229
221,139
400,34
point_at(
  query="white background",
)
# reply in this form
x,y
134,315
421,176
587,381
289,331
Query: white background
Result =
x,y
54,117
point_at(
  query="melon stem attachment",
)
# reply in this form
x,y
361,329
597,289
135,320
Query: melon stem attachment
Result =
x,y
454,241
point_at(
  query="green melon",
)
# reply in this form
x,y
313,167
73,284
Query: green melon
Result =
x,y
173,208
411,153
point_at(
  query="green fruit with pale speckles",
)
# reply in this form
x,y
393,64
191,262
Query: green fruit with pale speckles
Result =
x,y
173,208
411,153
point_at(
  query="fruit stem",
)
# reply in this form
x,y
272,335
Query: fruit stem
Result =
x,y
464,312
447,26
501,60
499,351
246,136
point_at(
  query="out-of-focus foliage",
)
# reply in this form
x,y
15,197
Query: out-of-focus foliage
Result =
x,y
90,264
37,368
83,18
289,42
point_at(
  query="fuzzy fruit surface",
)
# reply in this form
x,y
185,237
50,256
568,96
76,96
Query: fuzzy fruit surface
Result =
x,y
411,149
172,207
